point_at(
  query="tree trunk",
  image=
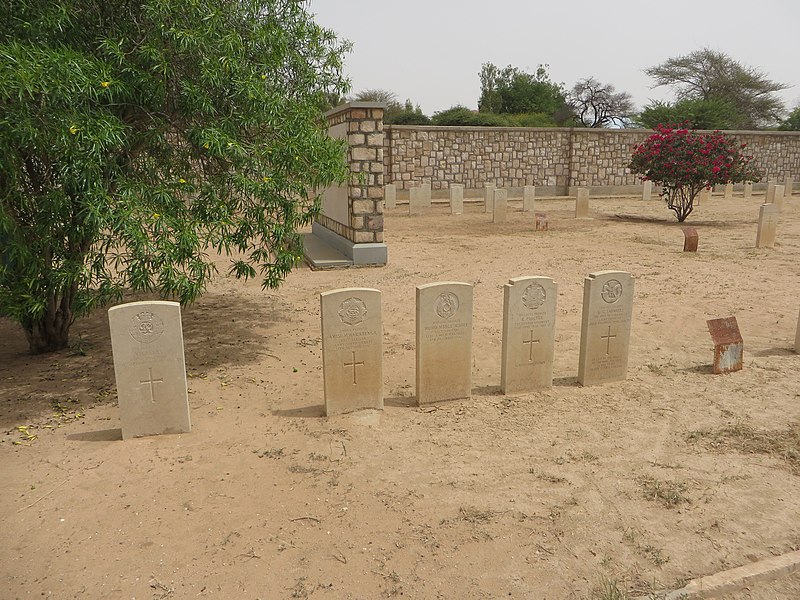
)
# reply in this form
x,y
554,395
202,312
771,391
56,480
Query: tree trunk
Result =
x,y
50,332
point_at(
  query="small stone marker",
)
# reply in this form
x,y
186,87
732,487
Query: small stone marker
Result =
x,y
767,225
541,221
605,327
690,239
444,341
414,201
582,204
777,197
788,184
729,190
456,199
488,196
147,344
529,317
797,336
728,345
500,205
390,195
647,190
769,196
425,194
528,198
748,189
352,355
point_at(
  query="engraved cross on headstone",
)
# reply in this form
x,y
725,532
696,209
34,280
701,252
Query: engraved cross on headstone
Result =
x,y
354,364
530,344
608,339
150,381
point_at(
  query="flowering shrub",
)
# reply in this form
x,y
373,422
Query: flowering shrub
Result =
x,y
684,162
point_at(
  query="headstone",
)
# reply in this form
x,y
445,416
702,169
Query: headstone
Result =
x,y
797,337
541,221
528,198
147,344
352,355
748,189
777,197
788,184
728,345
690,239
582,204
456,199
390,195
767,225
769,197
703,196
444,341
647,190
729,190
425,194
488,196
529,317
500,205
415,201
605,327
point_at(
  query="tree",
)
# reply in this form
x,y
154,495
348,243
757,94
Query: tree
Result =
x,y
684,162
395,113
792,122
598,105
137,136
710,75
512,90
697,114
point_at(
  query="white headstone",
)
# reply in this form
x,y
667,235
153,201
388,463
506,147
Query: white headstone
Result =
x,y
797,337
729,190
415,203
352,354
582,204
390,195
767,225
147,344
488,196
748,189
769,197
647,190
444,341
456,199
787,187
605,327
777,196
529,318
425,194
499,205
528,198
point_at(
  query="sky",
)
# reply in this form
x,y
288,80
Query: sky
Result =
x,y
430,51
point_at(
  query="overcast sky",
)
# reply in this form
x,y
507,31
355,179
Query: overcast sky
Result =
x,y
431,51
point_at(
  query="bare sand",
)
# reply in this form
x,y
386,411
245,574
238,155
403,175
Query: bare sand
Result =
x,y
567,493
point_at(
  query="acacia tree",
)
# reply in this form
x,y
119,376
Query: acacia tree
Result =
x,y
598,105
684,162
710,75
135,136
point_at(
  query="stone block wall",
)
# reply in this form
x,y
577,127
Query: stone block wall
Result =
x,y
561,157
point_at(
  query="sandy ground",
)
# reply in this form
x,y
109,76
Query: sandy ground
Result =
x,y
567,493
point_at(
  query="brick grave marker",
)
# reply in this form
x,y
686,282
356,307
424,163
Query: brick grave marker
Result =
x,y
147,345
352,355
528,198
529,318
541,221
728,345
444,341
500,205
390,195
456,199
768,216
582,204
690,239
488,197
605,327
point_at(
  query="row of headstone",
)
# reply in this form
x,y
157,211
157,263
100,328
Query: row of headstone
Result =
x,y
352,333
495,199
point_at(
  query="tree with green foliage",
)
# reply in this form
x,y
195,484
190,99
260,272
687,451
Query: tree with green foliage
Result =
x,y
710,75
599,105
792,122
137,137
395,113
511,90
696,113
684,162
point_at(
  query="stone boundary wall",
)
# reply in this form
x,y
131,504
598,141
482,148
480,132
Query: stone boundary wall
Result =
x,y
559,157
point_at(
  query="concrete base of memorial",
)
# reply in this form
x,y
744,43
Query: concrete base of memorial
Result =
x,y
326,249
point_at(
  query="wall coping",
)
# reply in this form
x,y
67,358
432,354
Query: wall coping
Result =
x,y
566,129
351,105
